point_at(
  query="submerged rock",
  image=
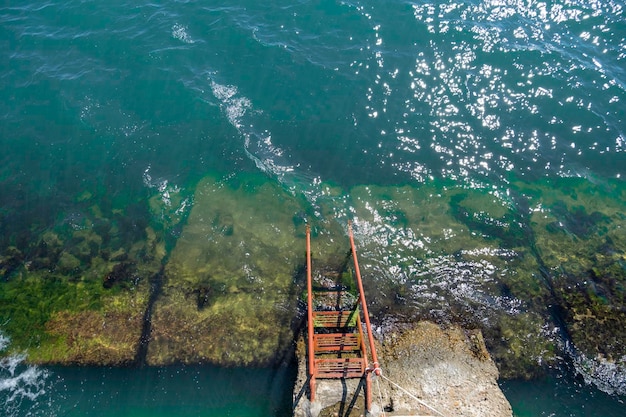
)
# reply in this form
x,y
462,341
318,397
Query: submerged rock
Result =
x,y
455,255
10,260
121,273
540,268
109,336
68,264
579,233
229,295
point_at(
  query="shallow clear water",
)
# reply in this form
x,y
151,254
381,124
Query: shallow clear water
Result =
x,y
107,104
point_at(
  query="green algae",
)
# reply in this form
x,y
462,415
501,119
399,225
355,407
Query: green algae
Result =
x,y
28,301
579,235
59,303
236,272
107,335
229,295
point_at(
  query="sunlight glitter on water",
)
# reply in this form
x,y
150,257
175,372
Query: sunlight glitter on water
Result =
x,y
452,85
324,98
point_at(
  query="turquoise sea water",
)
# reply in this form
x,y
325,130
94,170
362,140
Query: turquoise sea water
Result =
x,y
124,99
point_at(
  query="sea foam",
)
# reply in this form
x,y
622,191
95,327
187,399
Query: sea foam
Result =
x,y
21,385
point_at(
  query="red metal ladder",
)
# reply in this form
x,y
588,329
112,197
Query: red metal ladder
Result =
x,y
336,343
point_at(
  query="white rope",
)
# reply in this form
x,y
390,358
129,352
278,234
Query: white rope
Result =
x,y
413,396
380,397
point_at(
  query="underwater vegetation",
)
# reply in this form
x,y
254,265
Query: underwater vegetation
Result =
x,y
579,234
540,268
77,294
215,275
228,295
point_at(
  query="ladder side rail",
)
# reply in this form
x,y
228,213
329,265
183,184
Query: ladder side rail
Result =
x,y
310,330
362,339
367,375
362,301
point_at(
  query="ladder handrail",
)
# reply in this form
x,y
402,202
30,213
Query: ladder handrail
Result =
x,y
368,326
309,286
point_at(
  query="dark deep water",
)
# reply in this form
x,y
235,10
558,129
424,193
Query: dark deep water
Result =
x,y
112,103
171,391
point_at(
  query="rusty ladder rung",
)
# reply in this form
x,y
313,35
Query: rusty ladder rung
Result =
x,y
340,368
337,342
326,293
335,318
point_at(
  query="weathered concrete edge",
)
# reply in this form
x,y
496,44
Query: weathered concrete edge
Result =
x,y
424,365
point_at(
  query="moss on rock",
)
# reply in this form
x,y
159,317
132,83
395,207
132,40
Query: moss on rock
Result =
x,y
68,301
452,254
579,233
230,294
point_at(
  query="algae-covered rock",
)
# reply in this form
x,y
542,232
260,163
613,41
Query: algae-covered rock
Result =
x,y
45,252
52,240
229,293
521,344
73,314
10,260
109,335
67,301
102,319
579,229
121,273
68,263
85,244
455,254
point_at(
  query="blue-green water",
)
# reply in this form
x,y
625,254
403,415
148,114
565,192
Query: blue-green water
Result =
x,y
559,396
120,99
205,391
171,391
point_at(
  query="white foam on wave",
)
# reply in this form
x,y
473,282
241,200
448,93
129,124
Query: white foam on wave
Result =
x,y
170,194
165,189
607,376
21,385
4,342
180,32
258,144
233,105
